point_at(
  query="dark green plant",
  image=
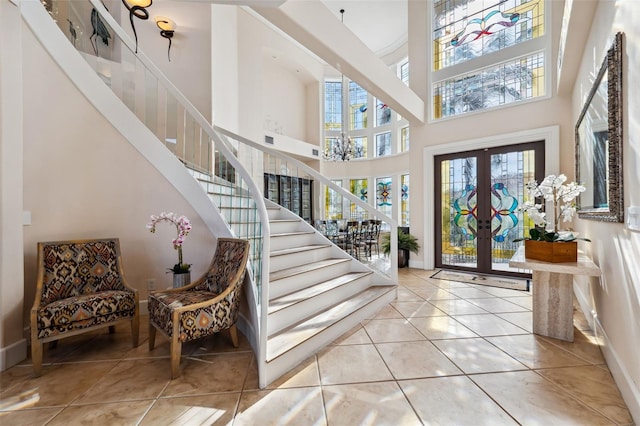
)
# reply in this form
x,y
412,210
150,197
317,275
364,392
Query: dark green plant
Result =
x,y
540,234
405,242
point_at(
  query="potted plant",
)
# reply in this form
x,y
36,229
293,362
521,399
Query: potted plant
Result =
x,y
406,243
540,244
181,271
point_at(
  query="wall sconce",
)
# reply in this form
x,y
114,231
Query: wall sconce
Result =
x,y
137,8
167,29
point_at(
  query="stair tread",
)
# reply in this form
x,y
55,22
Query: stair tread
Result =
x,y
288,234
300,269
298,249
306,293
289,338
284,220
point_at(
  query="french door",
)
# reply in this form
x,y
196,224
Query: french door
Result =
x,y
477,198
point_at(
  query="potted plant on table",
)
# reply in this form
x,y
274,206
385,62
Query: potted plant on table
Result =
x,y
406,243
181,271
547,242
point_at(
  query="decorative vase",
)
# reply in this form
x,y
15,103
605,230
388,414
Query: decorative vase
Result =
x,y
181,279
403,258
554,252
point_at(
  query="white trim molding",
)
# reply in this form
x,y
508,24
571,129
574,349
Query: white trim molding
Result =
x,y
550,135
13,354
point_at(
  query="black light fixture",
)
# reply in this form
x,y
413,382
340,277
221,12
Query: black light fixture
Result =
x,y
341,148
137,8
167,29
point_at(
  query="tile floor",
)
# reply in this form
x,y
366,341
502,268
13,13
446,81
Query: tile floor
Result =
x,y
443,353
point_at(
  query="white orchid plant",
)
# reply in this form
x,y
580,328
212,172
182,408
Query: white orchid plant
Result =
x,y
552,189
182,228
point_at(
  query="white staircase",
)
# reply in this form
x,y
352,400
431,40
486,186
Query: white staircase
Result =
x,y
317,291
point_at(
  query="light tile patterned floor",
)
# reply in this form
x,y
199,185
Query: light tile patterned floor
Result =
x,y
442,353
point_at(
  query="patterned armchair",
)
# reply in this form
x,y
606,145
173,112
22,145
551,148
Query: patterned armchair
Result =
x,y
204,307
80,287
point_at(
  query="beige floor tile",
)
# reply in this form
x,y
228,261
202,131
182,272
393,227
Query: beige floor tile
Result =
x,y
298,406
524,301
210,374
477,356
412,360
58,385
470,292
129,380
531,399
594,387
434,293
417,309
252,381
585,345
378,404
497,305
116,414
406,295
441,328
306,374
28,417
488,325
446,284
392,330
351,364
453,401
220,343
524,320
458,307
217,409
357,335
536,352
505,292
388,312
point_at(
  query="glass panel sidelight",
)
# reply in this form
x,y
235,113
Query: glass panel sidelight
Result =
x,y
477,205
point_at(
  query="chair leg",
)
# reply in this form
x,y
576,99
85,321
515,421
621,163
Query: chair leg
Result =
x,y
233,331
135,330
176,350
36,357
152,336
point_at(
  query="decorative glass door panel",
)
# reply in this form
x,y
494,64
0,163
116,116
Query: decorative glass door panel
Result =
x,y
477,198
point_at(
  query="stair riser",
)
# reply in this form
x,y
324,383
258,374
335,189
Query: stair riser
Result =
x,y
287,226
281,242
306,279
299,258
287,361
276,214
290,315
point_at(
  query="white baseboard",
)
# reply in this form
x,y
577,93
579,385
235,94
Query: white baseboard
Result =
x,y
144,307
627,387
13,354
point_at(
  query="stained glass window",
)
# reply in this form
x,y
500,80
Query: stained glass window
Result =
x,y
357,106
404,139
359,147
383,113
383,144
333,202
404,200
333,105
508,82
384,195
359,188
467,29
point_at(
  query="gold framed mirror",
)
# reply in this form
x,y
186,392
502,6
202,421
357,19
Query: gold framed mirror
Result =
x,y
599,143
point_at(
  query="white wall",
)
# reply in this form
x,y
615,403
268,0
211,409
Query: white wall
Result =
x,y
82,179
613,302
13,347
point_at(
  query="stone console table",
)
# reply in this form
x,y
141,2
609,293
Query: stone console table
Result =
x,y
552,288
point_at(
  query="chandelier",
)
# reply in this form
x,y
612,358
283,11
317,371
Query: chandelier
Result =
x,y
340,149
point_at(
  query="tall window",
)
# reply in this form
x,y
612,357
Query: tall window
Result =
x,y
383,113
466,30
333,202
383,144
404,200
359,188
332,105
357,106
404,72
359,145
404,139
384,195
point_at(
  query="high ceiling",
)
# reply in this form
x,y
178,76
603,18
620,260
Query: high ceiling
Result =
x,y
380,24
